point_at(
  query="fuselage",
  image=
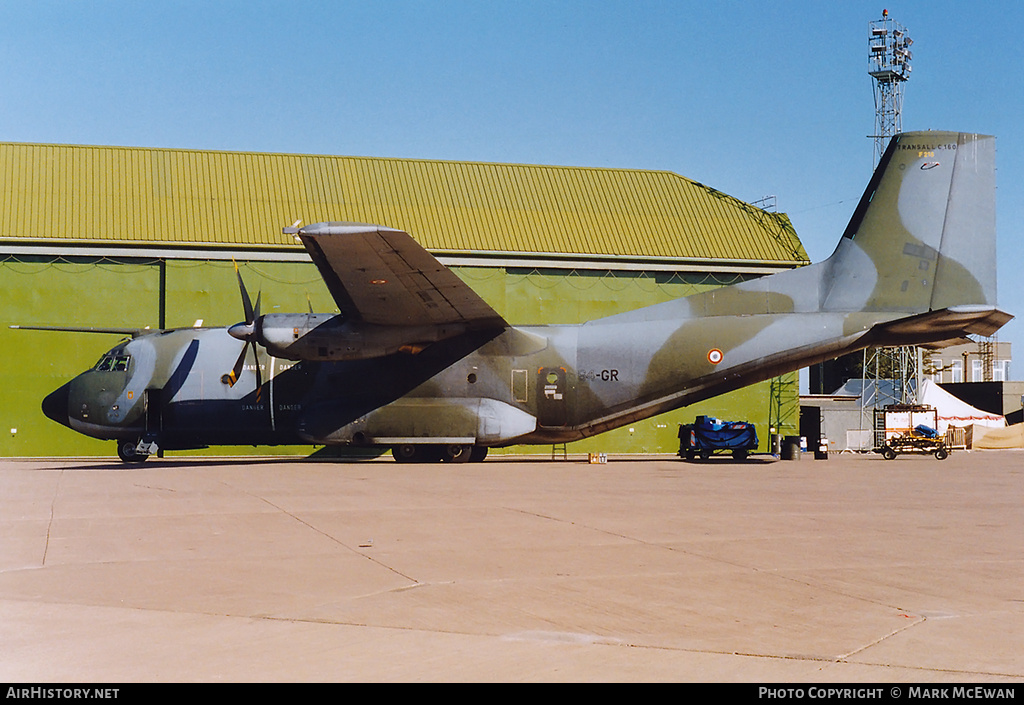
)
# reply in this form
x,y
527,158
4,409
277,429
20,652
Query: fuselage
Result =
x,y
530,384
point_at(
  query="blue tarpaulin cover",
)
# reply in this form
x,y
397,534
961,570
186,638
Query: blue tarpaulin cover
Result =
x,y
709,433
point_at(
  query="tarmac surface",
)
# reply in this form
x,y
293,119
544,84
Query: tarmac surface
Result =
x,y
853,569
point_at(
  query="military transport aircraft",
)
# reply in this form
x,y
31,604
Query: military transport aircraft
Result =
x,y
417,361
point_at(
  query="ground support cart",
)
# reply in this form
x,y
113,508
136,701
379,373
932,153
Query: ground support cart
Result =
x,y
708,435
922,439
908,428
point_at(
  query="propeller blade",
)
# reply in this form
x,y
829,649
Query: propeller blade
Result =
x,y
236,371
256,363
250,315
246,332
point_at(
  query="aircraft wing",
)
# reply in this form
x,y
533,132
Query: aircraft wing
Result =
x,y
133,332
382,276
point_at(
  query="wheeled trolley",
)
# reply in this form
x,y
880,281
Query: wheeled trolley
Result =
x,y
922,439
708,435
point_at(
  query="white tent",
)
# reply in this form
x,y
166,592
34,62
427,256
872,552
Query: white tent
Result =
x,y
997,438
953,411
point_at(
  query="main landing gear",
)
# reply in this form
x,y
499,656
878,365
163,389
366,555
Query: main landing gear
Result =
x,y
438,452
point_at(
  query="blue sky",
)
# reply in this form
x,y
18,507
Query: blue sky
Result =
x,y
752,98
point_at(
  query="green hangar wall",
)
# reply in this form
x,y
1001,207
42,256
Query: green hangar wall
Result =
x,y
124,237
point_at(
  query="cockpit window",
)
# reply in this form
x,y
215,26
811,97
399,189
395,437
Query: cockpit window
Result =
x,y
114,362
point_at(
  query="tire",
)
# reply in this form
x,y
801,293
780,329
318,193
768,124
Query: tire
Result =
x,y
477,454
941,453
888,453
739,455
407,453
455,453
126,452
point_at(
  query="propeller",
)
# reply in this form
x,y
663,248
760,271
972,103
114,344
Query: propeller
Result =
x,y
248,333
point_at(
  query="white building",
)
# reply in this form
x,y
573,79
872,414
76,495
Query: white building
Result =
x,y
982,361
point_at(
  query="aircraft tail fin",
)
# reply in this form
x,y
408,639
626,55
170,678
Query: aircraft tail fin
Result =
x,y
923,235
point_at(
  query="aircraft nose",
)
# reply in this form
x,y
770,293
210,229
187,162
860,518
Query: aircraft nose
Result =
x,y
55,405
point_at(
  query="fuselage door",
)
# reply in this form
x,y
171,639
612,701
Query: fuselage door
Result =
x,y
552,397
154,411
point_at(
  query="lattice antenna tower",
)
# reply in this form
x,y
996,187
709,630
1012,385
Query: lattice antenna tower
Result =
x,y
890,375
889,67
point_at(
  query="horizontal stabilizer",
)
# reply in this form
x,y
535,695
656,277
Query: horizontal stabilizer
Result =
x,y
945,324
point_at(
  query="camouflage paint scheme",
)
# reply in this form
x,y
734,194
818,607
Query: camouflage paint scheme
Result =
x,y
418,362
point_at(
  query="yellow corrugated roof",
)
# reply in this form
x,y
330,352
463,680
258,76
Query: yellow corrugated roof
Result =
x,y
172,196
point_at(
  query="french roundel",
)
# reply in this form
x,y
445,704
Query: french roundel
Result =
x,y
714,356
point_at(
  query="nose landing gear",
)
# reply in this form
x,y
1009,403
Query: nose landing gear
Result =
x,y
135,450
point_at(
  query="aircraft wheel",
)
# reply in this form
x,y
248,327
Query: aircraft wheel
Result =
x,y
456,453
477,454
941,453
407,453
888,453
126,452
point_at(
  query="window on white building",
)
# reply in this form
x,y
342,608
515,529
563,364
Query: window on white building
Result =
x,y
977,371
1000,370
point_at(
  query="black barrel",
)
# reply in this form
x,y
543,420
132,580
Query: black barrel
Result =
x,y
791,448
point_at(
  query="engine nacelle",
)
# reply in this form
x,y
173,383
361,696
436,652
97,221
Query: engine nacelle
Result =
x,y
323,337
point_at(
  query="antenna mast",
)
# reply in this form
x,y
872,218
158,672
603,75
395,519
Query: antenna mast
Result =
x,y
890,375
889,67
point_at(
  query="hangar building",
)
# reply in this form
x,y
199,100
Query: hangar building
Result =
x,y
129,237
